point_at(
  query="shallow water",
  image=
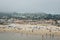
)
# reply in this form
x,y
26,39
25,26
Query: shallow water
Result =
x,y
18,36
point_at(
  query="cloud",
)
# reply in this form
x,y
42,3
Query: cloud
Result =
x,y
50,6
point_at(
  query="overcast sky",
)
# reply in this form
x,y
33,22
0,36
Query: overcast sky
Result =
x,y
48,6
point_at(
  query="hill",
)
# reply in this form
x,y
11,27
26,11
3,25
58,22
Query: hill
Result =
x,y
32,16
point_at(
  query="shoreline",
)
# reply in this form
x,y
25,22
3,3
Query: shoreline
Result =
x,y
34,32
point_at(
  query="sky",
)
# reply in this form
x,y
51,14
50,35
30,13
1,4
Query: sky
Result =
x,y
30,6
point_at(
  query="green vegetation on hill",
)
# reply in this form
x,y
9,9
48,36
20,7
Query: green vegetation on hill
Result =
x,y
32,16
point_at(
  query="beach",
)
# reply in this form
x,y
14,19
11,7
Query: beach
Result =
x,y
31,29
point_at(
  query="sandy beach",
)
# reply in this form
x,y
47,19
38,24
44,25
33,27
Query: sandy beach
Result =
x,y
31,29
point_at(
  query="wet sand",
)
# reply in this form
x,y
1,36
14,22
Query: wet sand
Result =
x,y
19,36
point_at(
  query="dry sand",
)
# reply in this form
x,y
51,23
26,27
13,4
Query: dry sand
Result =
x,y
28,29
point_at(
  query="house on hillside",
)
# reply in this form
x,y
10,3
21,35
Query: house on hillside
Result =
x,y
3,21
